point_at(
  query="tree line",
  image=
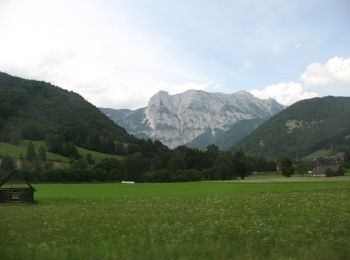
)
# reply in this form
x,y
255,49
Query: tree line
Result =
x,y
150,161
145,161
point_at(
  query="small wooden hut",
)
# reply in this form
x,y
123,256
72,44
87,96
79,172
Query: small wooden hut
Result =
x,y
15,194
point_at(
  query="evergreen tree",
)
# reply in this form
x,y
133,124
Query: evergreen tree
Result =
x,y
70,150
32,132
92,140
156,163
239,155
133,167
119,148
241,167
111,168
7,166
54,143
176,162
106,144
347,159
89,159
79,164
223,167
286,166
212,154
42,154
30,154
15,137
132,148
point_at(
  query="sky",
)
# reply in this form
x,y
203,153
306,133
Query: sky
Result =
x,y
119,53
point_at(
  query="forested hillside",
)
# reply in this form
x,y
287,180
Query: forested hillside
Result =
x,y
302,128
226,139
33,109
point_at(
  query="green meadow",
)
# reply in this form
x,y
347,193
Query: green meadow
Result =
x,y
318,154
203,220
17,151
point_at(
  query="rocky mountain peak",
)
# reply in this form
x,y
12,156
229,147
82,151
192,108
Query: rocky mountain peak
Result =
x,y
178,119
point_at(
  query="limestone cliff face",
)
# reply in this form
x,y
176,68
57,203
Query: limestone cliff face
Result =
x,y
179,119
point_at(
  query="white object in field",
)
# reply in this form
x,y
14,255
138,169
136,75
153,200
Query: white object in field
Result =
x,y
128,182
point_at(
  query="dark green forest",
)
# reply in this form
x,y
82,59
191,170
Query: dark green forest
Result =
x,y
302,128
34,109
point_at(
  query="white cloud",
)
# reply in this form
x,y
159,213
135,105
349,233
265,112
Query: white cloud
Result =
x,y
247,65
284,93
298,45
113,59
133,96
98,53
335,74
336,71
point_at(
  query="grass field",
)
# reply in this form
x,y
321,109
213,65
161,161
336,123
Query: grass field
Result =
x,y
20,150
204,220
17,150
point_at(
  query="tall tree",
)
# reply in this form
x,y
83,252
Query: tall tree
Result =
x,y
223,167
241,167
111,168
80,164
212,154
89,159
176,162
156,163
15,137
32,132
70,150
133,167
106,144
30,154
7,166
119,148
286,166
54,143
42,154
347,159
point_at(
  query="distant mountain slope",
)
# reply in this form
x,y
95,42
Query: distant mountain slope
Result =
x,y
42,108
180,119
133,121
302,128
226,139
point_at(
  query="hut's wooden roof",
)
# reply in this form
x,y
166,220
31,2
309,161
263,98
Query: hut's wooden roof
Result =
x,y
15,177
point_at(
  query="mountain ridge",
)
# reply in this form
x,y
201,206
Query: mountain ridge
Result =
x,y
180,118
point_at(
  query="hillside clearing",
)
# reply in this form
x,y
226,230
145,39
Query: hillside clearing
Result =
x,y
318,154
17,151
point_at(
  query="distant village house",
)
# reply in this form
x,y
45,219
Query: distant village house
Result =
x,y
327,171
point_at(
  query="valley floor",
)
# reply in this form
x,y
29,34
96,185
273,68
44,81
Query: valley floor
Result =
x,y
306,219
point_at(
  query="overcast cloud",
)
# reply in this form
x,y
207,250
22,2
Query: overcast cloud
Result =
x,y
119,53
